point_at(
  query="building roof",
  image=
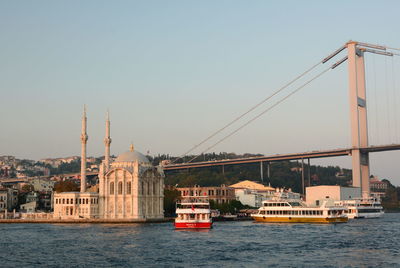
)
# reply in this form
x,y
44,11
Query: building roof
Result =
x,y
251,185
132,156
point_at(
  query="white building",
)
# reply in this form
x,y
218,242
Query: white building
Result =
x,y
41,185
29,207
76,205
316,195
130,188
252,193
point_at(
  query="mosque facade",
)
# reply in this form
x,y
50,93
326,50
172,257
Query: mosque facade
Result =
x,y
130,187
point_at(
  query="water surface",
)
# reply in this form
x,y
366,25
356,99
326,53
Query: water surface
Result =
x,y
359,243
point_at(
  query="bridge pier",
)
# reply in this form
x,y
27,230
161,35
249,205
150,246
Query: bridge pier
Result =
x,y
358,118
309,173
302,177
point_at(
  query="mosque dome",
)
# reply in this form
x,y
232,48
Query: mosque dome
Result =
x,y
132,156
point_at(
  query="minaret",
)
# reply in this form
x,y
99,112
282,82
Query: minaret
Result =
x,y
84,138
107,142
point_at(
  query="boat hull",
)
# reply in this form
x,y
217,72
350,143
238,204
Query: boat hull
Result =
x,y
193,225
361,215
301,219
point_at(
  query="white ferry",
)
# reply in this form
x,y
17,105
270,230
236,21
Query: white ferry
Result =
x,y
193,213
295,211
362,208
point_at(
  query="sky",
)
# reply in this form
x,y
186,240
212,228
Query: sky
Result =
x,y
173,72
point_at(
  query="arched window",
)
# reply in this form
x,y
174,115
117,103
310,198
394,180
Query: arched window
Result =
x,y
128,187
111,188
148,188
154,188
120,187
142,186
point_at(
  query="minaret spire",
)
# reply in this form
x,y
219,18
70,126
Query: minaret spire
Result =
x,y
107,142
84,138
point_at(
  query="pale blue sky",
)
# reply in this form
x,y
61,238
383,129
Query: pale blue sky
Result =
x,y
172,72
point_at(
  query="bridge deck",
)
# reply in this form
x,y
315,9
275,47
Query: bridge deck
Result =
x,y
282,157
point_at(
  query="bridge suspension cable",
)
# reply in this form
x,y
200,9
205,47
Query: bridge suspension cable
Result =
x,y
249,110
268,109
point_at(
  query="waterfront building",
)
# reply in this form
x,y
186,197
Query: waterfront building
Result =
x,y
29,207
252,193
377,187
3,199
130,187
75,205
220,194
316,195
8,199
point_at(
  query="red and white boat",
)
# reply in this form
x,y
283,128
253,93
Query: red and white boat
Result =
x,y
193,212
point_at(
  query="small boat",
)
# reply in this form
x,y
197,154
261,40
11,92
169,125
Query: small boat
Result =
x,y
295,211
362,208
193,212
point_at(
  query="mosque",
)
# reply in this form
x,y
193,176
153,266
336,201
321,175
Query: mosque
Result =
x,y
130,187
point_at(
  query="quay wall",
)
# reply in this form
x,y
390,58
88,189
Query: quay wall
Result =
x,y
84,221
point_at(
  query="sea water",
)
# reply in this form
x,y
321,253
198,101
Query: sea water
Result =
x,y
358,243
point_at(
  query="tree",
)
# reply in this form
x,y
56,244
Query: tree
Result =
x,y
66,186
170,197
27,188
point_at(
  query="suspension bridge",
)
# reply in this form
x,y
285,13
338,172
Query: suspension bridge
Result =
x,y
360,147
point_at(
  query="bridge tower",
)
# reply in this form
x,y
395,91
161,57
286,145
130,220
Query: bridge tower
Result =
x,y
358,117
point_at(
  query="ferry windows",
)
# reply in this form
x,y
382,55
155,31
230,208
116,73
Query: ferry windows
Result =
x,y
111,188
120,187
